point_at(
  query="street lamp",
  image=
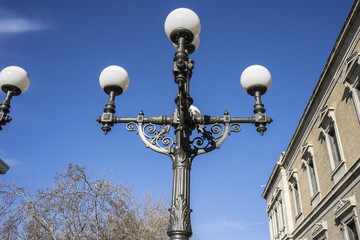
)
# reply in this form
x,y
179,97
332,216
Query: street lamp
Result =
x,y
13,81
182,26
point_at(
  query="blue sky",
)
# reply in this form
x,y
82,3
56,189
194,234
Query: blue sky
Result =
x,y
64,45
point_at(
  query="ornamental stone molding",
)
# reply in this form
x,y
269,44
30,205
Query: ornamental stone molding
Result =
x,y
343,205
306,148
306,154
275,198
326,118
351,64
281,157
319,228
292,175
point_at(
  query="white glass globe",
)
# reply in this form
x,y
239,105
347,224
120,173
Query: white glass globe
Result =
x,y
255,78
194,111
182,18
15,76
114,76
196,42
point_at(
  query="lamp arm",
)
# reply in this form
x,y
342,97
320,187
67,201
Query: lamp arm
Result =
x,y
212,120
159,120
110,119
145,127
221,128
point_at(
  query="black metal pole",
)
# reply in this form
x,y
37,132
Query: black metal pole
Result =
x,y
180,225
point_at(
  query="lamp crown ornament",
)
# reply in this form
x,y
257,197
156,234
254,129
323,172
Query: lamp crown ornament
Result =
x,y
195,134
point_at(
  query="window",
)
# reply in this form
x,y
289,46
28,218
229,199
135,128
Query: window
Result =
x,y
282,217
271,225
294,188
296,198
307,156
312,176
275,211
329,132
352,231
276,220
350,78
334,145
356,91
346,216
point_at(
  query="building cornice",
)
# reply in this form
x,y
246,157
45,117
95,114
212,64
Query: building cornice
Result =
x,y
273,175
271,180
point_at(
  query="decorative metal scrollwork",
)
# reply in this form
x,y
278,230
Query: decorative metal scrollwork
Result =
x,y
206,142
152,138
131,126
207,139
166,142
210,140
235,127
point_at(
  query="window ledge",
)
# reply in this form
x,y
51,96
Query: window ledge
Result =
x,y
299,217
315,199
338,172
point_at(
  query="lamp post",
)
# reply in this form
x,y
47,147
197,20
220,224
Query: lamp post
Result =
x,y
182,27
13,81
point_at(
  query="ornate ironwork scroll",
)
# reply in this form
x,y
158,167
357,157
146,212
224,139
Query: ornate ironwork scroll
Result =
x,y
152,138
213,139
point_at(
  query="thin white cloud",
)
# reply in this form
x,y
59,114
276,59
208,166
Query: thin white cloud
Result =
x,y
12,162
226,225
19,25
11,23
9,161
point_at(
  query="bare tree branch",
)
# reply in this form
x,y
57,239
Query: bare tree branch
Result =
x,y
79,206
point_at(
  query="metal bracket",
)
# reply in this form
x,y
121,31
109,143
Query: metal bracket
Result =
x,y
213,139
107,118
153,139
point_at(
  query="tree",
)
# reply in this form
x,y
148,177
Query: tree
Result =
x,y
80,207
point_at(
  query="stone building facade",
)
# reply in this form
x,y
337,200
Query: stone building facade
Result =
x,y
314,189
